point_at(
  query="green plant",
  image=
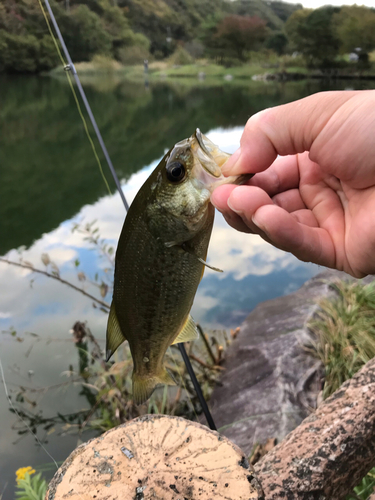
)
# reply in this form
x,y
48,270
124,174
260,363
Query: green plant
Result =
x,y
180,57
345,341
365,488
345,332
134,54
30,488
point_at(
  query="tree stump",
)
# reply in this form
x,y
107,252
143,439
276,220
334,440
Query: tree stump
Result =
x,y
156,457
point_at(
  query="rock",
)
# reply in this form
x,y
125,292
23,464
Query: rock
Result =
x,y
327,455
271,383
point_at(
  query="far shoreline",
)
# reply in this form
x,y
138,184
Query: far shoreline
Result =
x,y
201,71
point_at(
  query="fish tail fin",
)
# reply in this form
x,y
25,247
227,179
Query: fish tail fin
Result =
x,y
144,385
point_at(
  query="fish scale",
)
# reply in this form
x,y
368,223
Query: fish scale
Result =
x,y
160,259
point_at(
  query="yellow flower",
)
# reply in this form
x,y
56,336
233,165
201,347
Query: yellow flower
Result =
x,y
21,473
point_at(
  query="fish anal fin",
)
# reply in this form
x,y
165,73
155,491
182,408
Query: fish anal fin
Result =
x,y
114,336
144,385
188,332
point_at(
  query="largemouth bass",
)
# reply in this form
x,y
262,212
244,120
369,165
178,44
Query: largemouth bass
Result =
x,y
160,259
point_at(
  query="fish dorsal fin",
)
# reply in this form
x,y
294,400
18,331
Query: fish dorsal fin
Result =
x,y
114,337
189,332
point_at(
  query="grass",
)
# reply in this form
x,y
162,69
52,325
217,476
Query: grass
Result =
x,y
102,65
345,341
181,66
345,332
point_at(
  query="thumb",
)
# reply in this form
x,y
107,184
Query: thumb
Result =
x,y
284,130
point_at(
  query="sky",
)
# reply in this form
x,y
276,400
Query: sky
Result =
x,y
313,4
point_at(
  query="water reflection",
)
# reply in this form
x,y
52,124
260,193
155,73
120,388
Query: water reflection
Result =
x,y
48,171
240,255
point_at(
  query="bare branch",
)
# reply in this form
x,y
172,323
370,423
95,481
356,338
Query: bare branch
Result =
x,y
55,277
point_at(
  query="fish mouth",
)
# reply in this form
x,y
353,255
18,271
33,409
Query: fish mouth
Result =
x,y
199,137
206,154
211,159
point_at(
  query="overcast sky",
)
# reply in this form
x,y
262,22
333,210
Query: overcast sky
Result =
x,y
313,4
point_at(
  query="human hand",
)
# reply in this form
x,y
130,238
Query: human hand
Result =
x,y
317,199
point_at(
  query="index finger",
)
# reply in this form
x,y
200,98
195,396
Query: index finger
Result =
x,y
281,176
284,130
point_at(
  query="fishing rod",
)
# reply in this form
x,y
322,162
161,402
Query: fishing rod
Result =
x,y
70,67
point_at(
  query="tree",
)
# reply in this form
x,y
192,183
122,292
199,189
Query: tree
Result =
x,y
277,42
84,33
240,34
284,9
311,32
355,27
207,35
94,27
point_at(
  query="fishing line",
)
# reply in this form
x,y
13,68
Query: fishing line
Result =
x,y
67,68
70,67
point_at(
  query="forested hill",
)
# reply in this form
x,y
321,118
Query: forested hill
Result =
x,y
126,30
186,19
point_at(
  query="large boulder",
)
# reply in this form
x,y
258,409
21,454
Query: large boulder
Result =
x,y
271,380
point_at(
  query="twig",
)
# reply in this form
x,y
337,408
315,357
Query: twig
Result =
x,y
90,414
210,367
49,275
206,343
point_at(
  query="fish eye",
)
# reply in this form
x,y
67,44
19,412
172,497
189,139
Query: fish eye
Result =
x,y
176,172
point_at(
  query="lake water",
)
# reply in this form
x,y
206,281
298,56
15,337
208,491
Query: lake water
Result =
x,y
49,180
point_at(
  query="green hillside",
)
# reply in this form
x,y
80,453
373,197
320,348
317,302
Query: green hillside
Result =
x,y
274,13
127,30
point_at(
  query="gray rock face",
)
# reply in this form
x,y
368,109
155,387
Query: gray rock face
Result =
x,y
271,382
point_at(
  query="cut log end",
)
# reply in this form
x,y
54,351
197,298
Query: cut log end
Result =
x,y
156,457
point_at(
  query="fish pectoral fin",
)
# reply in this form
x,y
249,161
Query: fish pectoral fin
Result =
x,y
189,332
170,244
208,265
202,261
114,336
144,386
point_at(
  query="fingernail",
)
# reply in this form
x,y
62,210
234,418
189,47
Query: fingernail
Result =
x,y
228,166
232,205
258,223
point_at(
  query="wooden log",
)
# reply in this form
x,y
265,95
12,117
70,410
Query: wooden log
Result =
x,y
331,451
156,457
